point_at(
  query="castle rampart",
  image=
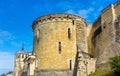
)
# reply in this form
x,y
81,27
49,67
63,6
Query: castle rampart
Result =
x,y
104,42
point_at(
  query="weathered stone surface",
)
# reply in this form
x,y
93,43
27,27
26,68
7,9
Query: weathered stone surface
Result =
x,y
19,63
66,29
54,73
57,38
106,41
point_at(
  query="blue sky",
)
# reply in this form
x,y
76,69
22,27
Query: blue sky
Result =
x,y
16,17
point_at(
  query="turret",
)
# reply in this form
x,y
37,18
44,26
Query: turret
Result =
x,y
19,61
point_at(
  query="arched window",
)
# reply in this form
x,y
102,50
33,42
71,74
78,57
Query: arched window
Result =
x,y
69,33
59,47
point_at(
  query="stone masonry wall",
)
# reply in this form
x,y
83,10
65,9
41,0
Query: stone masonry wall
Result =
x,y
81,34
54,73
53,46
105,45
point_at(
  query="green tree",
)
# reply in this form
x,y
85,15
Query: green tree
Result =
x,y
115,64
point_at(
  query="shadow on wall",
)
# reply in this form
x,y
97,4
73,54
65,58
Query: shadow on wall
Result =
x,y
76,63
23,74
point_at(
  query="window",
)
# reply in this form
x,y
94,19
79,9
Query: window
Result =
x,y
18,56
69,33
73,22
97,32
104,25
22,55
70,64
59,47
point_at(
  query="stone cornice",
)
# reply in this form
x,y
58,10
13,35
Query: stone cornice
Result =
x,y
55,16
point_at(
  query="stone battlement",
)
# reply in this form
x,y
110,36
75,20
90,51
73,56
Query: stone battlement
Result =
x,y
116,4
56,16
110,6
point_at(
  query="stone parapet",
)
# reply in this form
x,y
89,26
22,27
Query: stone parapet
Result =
x,y
55,17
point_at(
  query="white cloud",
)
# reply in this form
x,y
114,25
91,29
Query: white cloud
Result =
x,y
6,61
82,12
71,11
85,12
5,36
16,44
4,33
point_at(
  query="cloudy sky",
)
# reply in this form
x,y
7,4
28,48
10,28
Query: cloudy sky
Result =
x,y
16,17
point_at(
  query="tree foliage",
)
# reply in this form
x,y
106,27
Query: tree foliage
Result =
x,y
115,68
115,64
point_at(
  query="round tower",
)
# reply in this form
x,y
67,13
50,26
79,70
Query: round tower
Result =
x,y
55,40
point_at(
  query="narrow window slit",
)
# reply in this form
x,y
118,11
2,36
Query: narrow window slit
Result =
x,y
70,64
73,22
59,47
69,33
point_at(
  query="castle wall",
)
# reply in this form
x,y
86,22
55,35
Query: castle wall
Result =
x,y
88,38
92,35
105,38
104,43
117,8
31,64
86,66
54,73
81,35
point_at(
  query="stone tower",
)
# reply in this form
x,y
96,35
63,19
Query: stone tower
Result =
x,y
19,62
56,38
